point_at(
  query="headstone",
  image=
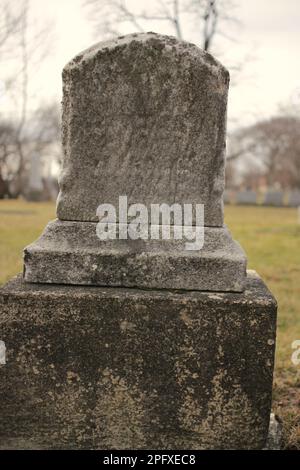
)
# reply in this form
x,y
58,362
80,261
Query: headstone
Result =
x,y
246,197
294,198
273,198
154,139
167,352
153,132
35,190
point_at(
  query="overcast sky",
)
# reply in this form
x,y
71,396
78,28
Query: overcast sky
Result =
x,y
266,42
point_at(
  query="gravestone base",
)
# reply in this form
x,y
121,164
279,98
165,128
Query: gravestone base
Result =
x,y
74,248
117,368
274,440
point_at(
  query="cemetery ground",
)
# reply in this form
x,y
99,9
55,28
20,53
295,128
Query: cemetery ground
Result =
x,y
271,238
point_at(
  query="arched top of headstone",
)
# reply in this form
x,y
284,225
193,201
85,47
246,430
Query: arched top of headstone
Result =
x,y
143,116
160,42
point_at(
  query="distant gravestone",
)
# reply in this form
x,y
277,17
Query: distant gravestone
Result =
x,y
273,198
174,349
247,197
35,190
227,196
294,198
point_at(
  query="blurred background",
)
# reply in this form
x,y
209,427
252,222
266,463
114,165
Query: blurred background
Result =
x,y
258,42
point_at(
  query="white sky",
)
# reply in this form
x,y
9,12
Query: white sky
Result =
x,y
268,40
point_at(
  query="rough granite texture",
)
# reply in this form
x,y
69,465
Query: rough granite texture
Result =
x,y
110,368
71,252
143,116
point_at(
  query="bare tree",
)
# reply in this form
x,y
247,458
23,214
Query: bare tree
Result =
x,y
25,47
42,138
210,20
45,126
9,23
274,144
110,17
7,133
239,145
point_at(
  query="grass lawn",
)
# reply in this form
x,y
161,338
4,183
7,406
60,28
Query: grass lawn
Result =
x,y
271,239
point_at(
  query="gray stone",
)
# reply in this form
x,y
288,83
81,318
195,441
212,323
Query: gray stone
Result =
x,y
294,198
143,116
246,197
75,249
115,368
273,198
228,196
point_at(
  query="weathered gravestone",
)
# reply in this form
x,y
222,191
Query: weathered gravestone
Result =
x,y
145,119
246,197
294,198
187,362
273,198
